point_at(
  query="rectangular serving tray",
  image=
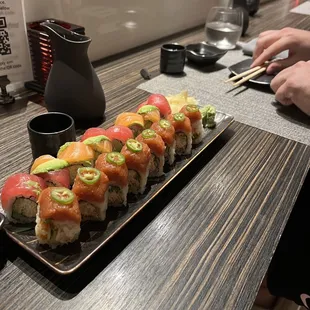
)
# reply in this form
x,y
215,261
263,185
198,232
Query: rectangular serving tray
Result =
x,y
68,258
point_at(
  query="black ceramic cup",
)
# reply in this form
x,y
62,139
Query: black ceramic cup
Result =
x,y
49,131
172,58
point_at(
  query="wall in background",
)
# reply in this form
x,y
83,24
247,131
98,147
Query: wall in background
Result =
x,y
118,25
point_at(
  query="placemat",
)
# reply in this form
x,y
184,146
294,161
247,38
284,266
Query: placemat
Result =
x,y
253,105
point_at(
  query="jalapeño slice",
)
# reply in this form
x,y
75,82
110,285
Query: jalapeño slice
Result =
x,y
192,108
163,123
62,195
115,158
88,175
148,134
134,145
179,117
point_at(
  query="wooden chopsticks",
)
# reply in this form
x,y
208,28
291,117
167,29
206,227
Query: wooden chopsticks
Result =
x,y
247,75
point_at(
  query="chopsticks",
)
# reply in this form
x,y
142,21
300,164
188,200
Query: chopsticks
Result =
x,y
247,75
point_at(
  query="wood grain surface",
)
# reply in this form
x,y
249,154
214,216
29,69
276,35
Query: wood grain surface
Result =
x,y
204,243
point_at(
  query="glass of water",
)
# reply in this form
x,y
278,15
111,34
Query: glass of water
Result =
x,y
224,27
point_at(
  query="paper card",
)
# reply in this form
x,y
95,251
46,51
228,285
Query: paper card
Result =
x,y
14,49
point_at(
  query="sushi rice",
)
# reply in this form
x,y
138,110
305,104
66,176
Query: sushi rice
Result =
x,y
55,233
23,210
170,153
94,211
197,131
117,195
137,181
157,165
183,143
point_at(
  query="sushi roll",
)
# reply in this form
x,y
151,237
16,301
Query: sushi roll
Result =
x,y
133,121
114,166
93,132
160,102
119,135
157,147
137,156
19,197
150,115
41,160
99,144
195,117
183,133
53,171
167,132
77,155
91,188
58,218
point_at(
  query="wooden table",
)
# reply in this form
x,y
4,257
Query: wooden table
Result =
x,y
204,243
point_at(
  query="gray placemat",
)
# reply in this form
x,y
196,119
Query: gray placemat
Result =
x,y
254,106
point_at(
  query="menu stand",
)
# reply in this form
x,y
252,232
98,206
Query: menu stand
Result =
x,y
5,97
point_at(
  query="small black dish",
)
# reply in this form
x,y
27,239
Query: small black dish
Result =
x,y
204,54
48,132
240,67
172,58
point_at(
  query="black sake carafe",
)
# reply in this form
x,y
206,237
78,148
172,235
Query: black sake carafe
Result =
x,y
73,86
242,4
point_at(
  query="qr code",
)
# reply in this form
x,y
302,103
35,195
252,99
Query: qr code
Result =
x,y
5,46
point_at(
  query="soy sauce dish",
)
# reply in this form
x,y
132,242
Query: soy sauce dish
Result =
x,y
204,54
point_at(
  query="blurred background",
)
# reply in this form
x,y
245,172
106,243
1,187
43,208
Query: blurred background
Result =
x,y
116,26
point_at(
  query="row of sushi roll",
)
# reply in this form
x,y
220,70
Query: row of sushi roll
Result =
x,y
102,169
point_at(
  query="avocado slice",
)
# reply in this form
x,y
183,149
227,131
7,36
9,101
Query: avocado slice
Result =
x,y
95,140
51,165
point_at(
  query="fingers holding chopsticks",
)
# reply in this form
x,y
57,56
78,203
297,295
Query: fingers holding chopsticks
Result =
x,y
271,43
275,48
263,42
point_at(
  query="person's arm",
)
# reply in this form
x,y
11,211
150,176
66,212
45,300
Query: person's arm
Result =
x,y
271,43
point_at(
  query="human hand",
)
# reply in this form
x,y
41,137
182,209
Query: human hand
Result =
x,y
271,43
292,86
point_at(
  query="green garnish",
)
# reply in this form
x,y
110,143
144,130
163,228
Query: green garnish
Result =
x,y
134,145
179,117
88,176
163,123
62,195
147,109
148,134
115,158
35,186
208,116
192,108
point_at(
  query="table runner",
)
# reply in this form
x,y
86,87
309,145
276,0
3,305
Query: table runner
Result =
x,y
253,104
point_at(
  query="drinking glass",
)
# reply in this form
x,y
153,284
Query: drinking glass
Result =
x,y
224,27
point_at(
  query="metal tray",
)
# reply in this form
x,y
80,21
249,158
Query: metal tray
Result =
x,y
67,259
